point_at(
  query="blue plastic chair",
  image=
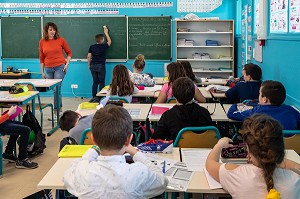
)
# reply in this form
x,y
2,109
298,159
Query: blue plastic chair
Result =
x,y
86,137
42,106
122,99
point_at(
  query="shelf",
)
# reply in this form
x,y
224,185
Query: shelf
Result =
x,y
222,46
206,60
204,32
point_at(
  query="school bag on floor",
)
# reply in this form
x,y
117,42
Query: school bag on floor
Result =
x,y
40,138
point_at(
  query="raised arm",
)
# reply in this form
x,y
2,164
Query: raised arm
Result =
x,y
107,35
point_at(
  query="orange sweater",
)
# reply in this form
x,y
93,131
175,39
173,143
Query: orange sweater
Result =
x,y
3,118
51,52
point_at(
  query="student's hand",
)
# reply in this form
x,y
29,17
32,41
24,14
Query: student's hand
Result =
x,y
105,30
12,110
224,142
131,150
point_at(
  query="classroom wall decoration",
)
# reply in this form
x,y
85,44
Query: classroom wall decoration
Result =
x,y
294,16
278,16
197,6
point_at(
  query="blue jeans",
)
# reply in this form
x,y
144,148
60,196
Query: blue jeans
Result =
x,y
56,73
15,129
98,73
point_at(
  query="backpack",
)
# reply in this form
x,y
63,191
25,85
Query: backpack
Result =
x,y
67,141
40,138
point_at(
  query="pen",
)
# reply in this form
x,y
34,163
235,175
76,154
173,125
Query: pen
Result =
x,y
164,167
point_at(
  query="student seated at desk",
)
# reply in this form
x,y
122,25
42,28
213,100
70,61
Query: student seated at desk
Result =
x,y
271,97
269,174
175,70
75,124
248,89
186,113
16,129
189,71
137,77
121,85
104,173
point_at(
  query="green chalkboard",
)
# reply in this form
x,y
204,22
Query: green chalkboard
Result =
x,y
80,33
20,37
150,36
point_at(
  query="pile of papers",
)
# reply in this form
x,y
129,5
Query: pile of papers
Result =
x,y
217,88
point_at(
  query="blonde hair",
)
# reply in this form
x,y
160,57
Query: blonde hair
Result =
x,y
139,62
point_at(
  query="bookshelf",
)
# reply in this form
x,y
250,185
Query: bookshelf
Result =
x,y
208,59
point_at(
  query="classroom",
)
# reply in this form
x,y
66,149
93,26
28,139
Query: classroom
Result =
x,y
218,38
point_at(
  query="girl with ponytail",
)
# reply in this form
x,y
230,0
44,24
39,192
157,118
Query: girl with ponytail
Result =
x,y
268,175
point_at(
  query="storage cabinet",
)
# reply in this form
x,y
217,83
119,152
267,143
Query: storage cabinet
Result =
x,y
208,45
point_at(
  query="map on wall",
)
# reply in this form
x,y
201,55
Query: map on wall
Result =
x,y
294,16
197,6
278,16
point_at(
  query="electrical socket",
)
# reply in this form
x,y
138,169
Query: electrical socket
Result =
x,y
74,85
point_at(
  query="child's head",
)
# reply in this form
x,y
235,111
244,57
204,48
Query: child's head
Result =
x,y
121,84
139,63
68,120
183,90
272,92
264,139
175,71
188,70
112,128
252,72
99,38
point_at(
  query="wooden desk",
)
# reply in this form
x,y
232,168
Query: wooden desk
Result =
x,y
206,93
54,178
43,85
19,99
11,75
159,80
138,112
148,92
219,114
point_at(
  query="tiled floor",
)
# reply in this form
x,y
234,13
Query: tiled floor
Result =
x,y
19,183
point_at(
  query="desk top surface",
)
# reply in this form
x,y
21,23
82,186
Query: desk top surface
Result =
x,y
6,97
14,74
35,82
54,178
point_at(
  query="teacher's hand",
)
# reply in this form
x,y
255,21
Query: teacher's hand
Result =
x,y
66,68
43,76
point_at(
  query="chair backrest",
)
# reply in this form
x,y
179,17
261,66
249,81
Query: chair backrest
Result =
x,y
292,142
186,137
172,100
86,137
122,99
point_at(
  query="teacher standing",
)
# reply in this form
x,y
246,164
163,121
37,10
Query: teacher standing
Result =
x,y
52,60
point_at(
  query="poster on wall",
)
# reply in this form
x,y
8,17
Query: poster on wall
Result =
x,y
294,16
256,15
197,6
278,16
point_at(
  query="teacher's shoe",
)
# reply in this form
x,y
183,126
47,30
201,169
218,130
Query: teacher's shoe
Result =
x,y
26,164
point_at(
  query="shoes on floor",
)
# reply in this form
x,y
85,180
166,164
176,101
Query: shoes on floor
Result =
x,y
152,145
10,157
26,164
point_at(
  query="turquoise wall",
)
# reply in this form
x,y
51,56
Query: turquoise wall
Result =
x,y
78,72
281,60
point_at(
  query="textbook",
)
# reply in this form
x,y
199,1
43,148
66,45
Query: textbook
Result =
x,y
73,151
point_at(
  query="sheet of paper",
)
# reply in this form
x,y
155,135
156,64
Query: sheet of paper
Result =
x,y
159,161
195,158
213,184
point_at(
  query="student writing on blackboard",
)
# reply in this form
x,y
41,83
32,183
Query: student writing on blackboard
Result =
x,y
137,77
96,60
52,60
